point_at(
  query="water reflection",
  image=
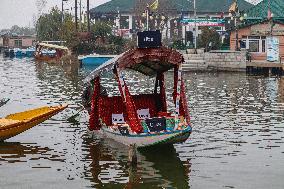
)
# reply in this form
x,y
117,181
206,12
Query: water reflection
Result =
x,y
14,152
157,168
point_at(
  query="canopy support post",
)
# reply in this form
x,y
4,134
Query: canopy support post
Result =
x,y
94,123
177,90
131,110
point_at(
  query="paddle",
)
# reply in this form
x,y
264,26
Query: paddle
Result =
x,y
72,118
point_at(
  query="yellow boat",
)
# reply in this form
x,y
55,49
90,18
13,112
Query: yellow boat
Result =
x,y
17,123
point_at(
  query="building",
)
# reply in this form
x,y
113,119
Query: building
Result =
x,y
15,41
264,22
127,16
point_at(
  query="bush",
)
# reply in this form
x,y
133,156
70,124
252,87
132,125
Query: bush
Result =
x,y
208,36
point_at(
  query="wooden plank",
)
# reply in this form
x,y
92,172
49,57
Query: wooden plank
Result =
x,y
265,64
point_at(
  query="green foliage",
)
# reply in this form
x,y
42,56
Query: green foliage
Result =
x,y
103,41
178,44
208,36
102,30
50,27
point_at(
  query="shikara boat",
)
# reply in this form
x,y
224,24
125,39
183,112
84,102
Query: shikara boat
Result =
x,y
49,52
144,119
17,123
3,101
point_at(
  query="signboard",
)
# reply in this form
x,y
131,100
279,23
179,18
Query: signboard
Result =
x,y
123,130
149,39
272,49
203,22
156,124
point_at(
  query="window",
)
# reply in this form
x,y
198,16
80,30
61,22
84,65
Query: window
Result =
x,y
18,43
255,43
263,45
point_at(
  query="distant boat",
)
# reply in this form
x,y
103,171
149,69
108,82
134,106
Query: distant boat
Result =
x,y
30,52
17,123
9,53
50,52
94,59
18,52
3,101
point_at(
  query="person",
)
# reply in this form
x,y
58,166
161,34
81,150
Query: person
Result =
x,y
242,44
210,46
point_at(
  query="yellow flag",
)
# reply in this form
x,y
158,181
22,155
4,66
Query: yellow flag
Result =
x,y
154,5
233,7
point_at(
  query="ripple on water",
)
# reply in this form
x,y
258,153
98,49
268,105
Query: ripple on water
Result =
x,y
237,139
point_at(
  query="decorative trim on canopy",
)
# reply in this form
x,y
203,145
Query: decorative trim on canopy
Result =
x,y
147,61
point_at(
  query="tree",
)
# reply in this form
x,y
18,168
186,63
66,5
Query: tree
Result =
x,y
51,28
19,30
209,37
102,30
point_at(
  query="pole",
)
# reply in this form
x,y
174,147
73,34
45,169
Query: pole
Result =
x,y
147,15
195,28
80,17
76,16
237,15
88,15
62,14
237,35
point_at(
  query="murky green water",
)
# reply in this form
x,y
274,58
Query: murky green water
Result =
x,y
237,142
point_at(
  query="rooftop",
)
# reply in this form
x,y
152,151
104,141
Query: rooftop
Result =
x,y
206,6
261,9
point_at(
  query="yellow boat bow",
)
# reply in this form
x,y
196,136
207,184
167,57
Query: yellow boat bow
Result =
x,y
17,123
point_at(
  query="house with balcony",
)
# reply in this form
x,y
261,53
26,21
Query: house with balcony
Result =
x,y
128,16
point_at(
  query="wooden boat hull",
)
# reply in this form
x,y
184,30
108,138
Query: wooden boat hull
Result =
x,y
15,124
146,140
47,58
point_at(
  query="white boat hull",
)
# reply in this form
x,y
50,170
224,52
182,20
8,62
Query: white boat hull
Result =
x,y
145,140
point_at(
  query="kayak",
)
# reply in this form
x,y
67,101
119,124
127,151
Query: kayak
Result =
x,y
3,101
17,123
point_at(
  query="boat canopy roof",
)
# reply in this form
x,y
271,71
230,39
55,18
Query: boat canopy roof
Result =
x,y
147,61
53,46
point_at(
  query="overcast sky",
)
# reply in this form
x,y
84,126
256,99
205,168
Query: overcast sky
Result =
x,y
21,12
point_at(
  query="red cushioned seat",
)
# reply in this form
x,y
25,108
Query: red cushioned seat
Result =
x,y
115,105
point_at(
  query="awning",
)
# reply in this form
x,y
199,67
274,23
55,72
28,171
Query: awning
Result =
x,y
53,46
147,61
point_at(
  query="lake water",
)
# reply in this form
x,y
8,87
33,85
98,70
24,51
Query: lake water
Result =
x,y
237,139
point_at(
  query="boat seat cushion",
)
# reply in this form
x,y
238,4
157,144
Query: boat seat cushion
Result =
x,y
117,119
143,113
115,105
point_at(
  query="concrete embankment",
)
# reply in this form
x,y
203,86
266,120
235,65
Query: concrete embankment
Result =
x,y
214,60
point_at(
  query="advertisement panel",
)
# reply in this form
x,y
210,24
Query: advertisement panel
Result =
x,y
272,49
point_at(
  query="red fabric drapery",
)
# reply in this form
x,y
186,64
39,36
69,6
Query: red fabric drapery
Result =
x,y
130,107
183,108
175,83
94,123
184,103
